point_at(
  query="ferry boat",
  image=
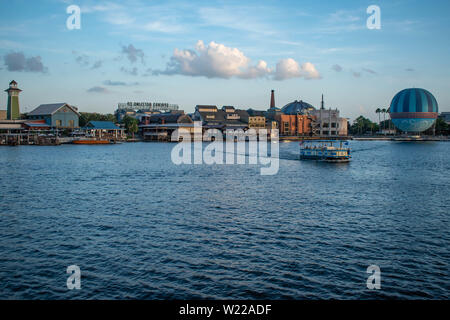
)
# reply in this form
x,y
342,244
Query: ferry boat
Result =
x,y
325,150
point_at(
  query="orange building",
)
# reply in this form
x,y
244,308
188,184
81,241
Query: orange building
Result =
x,y
294,125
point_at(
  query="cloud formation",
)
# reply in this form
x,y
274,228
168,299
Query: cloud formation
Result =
x,y
16,61
98,89
219,61
132,53
132,72
84,61
119,83
289,68
369,71
337,68
97,64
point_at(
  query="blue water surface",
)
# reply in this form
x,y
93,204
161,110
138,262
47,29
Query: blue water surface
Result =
x,y
140,227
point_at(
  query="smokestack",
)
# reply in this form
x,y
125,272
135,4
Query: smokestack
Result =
x,y
322,105
272,100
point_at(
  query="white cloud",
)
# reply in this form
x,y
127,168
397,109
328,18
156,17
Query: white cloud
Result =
x,y
289,68
260,70
213,61
164,27
219,61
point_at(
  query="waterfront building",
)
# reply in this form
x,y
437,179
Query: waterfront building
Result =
x,y
226,118
329,123
305,119
13,109
294,124
56,115
36,125
256,119
139,109
159,127
105,130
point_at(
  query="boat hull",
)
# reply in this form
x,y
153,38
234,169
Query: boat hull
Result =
x,y
91,142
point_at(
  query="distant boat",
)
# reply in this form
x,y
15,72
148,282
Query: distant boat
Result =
x,y
324,150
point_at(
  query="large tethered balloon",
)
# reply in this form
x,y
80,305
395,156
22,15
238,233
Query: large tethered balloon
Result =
x,y
413,110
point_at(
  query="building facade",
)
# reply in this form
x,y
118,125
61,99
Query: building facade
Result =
x,y
294,125
105,130
227,118
301,118
57,115
160,127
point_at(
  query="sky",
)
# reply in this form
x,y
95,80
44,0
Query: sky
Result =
x,y
224,53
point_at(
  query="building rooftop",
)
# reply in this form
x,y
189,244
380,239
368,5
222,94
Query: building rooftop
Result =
x,y
49,109
297,107
102,125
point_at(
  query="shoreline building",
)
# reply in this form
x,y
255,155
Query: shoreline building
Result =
x,y
300,118
56,115
227,118
256,120
105,130
159,127
13,109
138,110
328,122
295,119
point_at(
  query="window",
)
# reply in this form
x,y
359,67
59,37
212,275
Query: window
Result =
x,y
71,124
58,123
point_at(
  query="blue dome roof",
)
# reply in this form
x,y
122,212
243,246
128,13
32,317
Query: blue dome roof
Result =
x,y
414,100
297,107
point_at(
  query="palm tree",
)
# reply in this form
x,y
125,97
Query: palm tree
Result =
x,y
389,120
384,119
379,120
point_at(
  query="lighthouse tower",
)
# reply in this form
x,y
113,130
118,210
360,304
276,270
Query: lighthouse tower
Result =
x,y
13,111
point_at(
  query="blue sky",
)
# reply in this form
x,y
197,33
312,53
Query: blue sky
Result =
x,y
224,53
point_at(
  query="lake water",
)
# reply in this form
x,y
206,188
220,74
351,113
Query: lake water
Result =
x,y
139,226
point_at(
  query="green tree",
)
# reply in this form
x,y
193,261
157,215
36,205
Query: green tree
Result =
x,y
384,119
378,111
93,116
131,124
362,125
